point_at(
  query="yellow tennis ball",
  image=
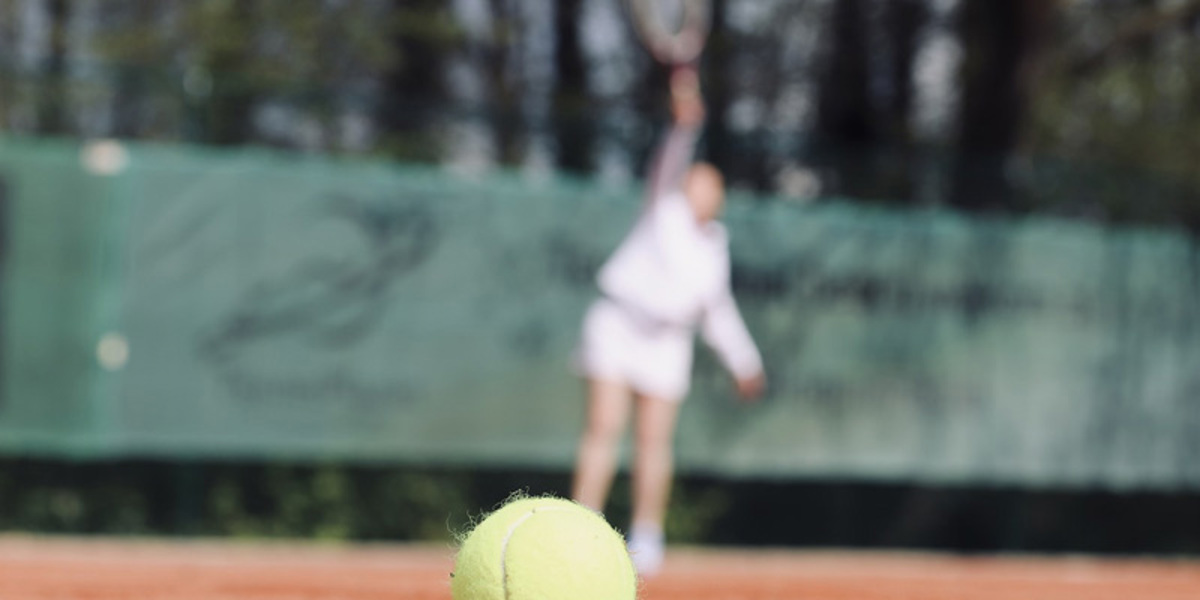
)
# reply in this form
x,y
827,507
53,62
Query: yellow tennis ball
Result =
x,y
543,549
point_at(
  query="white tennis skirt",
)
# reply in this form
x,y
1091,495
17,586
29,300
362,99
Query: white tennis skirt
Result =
x,y
653,358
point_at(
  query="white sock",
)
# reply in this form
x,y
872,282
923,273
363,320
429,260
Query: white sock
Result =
x,y
646,543
651,532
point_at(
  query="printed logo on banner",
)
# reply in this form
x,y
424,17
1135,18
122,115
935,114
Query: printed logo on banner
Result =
x,y
324,305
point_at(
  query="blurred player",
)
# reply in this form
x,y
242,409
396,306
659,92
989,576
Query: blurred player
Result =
x,y
669,276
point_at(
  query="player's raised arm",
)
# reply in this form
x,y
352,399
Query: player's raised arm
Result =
x,y
675,154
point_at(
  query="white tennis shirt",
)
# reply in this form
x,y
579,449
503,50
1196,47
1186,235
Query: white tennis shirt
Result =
x,y
674,269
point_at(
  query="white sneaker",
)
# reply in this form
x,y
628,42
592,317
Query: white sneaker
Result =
x,y
646,548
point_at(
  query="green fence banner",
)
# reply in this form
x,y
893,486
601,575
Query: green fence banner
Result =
x,y
165,301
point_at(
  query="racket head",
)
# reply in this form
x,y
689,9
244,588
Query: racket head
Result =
x,y
672,46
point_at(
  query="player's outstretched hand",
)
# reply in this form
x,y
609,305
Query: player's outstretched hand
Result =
x,y
751,389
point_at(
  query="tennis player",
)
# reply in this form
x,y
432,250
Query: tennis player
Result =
x,y
668,277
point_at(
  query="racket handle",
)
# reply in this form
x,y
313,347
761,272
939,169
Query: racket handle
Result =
x,y
685,82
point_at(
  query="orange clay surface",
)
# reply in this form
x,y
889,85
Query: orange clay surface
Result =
x,y
50,568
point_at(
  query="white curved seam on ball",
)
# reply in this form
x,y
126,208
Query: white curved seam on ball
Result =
x,y
507,536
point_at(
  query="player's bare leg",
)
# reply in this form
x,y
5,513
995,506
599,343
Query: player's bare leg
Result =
x,y
652,471
596,464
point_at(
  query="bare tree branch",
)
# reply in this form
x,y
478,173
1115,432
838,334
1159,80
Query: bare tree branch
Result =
x,y
1139,30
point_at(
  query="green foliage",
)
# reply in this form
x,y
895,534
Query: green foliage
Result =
x,y
262,45
1136,108
33,499
412,505
335,502
328,502
432,24
1138,113
331,502
297,502
695,512
205,66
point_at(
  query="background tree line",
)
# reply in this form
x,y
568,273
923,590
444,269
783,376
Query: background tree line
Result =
x,y
1083,108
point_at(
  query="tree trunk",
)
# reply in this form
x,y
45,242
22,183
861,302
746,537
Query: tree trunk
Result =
x,y
575,130
52,109
904,19
502,106
846,130
1001,41
233,97
131,91
844,103
414,88
719,148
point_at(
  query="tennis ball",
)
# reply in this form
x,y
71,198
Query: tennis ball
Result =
x,y
543,549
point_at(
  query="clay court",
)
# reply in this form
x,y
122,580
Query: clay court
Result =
x,y
61,569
